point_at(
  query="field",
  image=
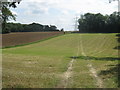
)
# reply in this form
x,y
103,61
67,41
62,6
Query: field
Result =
x,y
67,61
19,38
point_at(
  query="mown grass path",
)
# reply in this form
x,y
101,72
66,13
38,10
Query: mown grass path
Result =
x,y
68,61
91,68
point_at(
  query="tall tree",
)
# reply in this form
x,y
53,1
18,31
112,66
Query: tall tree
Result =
x,y
7,14
98,23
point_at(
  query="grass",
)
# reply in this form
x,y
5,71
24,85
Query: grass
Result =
x,y
101,53
42,64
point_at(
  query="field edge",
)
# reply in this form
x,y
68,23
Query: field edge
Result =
x,y
31,42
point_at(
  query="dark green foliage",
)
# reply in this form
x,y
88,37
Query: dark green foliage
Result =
x,y
62,29
34,27
53,28
98,23
7,14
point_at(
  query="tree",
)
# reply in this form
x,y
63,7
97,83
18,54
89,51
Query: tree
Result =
x,y
98,23
7,14
53,28
62,30
114,22
46,28
33,27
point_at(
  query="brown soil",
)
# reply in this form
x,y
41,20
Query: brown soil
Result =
x,y
20,38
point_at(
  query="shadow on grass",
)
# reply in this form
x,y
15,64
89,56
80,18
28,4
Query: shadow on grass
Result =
x,y
117,47
118,39
95,58
114,71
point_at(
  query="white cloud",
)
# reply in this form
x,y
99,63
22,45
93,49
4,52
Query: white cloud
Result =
x,y
65,12
102,6
42,11
14,13
86,5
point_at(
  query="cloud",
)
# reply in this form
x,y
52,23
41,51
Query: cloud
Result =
x,y
65,12
84,6
60,12
14,13
37,8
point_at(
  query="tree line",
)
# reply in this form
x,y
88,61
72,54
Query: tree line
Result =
x,y
6,14
17,27
98,23
88,23
33,27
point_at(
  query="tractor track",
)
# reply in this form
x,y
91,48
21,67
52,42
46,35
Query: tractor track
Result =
x,y
92,70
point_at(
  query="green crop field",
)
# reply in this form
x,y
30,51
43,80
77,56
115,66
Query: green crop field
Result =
x,y
67,61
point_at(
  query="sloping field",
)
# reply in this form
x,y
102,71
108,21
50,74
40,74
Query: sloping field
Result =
x,y
19,38
68,61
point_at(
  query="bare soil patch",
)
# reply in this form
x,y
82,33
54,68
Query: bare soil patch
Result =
x,y
20,38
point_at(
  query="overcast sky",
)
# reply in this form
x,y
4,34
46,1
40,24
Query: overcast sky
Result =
x,y
61,13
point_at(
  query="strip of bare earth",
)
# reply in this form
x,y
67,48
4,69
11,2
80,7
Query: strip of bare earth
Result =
x,y
21,38
66,76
